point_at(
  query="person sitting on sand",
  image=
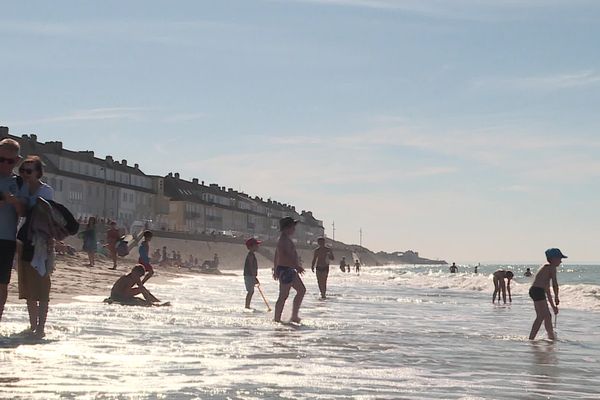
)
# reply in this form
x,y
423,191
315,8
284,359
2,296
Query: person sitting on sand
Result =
x,y
528,273
541,295
322,256
128,287
453,268
144,259
501,286
287,270
251,269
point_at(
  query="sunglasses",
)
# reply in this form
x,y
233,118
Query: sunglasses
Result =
x,y
9,161
26,171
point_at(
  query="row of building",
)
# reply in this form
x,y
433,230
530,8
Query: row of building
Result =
x,y
110,189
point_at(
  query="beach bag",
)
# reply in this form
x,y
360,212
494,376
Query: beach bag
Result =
x,y
122,248
71,225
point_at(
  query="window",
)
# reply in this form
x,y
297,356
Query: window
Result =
x,y
124,197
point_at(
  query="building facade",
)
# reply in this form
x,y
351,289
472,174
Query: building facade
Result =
x,y
114,190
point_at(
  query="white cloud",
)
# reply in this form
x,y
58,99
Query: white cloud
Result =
x,y
543,82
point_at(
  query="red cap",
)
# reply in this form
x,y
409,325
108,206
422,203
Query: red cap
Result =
x,y
252,241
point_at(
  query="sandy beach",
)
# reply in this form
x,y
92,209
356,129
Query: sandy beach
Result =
x,y
72,277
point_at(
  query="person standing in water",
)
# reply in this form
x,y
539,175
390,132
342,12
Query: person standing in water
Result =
x,y
453,268
287,270
144,252
343,264
251,269
528,273
33,287
357,266
322,256
541,295
501,286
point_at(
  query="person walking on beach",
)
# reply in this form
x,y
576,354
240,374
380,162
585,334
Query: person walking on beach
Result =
x,y
33,287
287,270
90,243
112,237
144,251
357,266
500,286
251,269
322,256
541,295
12,206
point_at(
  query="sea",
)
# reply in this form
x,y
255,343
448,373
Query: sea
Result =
x,y
393,332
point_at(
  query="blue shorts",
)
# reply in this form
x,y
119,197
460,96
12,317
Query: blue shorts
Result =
x,y
250,282
286,275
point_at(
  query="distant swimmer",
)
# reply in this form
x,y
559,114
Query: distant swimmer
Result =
x,y
343,264
528,273
251,269
453,268
287,270
128,287
322,256
500,286
357,266
541,295
477,268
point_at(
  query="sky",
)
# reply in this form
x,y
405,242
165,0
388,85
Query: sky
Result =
x,y
467,130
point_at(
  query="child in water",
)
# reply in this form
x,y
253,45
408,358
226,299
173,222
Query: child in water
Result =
x,y
541,295
251,269
127,287
287,270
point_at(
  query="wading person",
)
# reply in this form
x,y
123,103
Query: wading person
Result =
x,y
321,258
541,295
33,286
501,285
287,270
251,269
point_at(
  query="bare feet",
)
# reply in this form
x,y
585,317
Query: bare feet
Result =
x,y
296,320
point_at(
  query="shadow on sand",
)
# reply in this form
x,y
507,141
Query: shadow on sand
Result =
x,y
24,338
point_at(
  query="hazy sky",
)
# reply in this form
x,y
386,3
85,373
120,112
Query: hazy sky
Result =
x,y
465,129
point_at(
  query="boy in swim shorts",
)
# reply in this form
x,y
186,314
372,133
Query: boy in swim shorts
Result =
x,y
541,295
501,286
287,270
125,291
251,269
144,259
321,258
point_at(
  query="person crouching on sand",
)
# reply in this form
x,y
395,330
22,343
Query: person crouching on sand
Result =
x,y
500,286
322,256
541,295
251,269
127,287
287,270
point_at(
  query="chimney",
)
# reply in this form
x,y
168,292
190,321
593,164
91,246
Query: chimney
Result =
x,y
3,131
170,175
230,190
109,160
34,137
195,181
202,183
223,188
124,162
136,166
176,175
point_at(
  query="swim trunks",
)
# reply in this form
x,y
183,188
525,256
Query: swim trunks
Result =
x,y
286,275
7,256
249,281
537,293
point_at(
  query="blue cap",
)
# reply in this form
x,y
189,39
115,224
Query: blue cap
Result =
x,y
554,253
